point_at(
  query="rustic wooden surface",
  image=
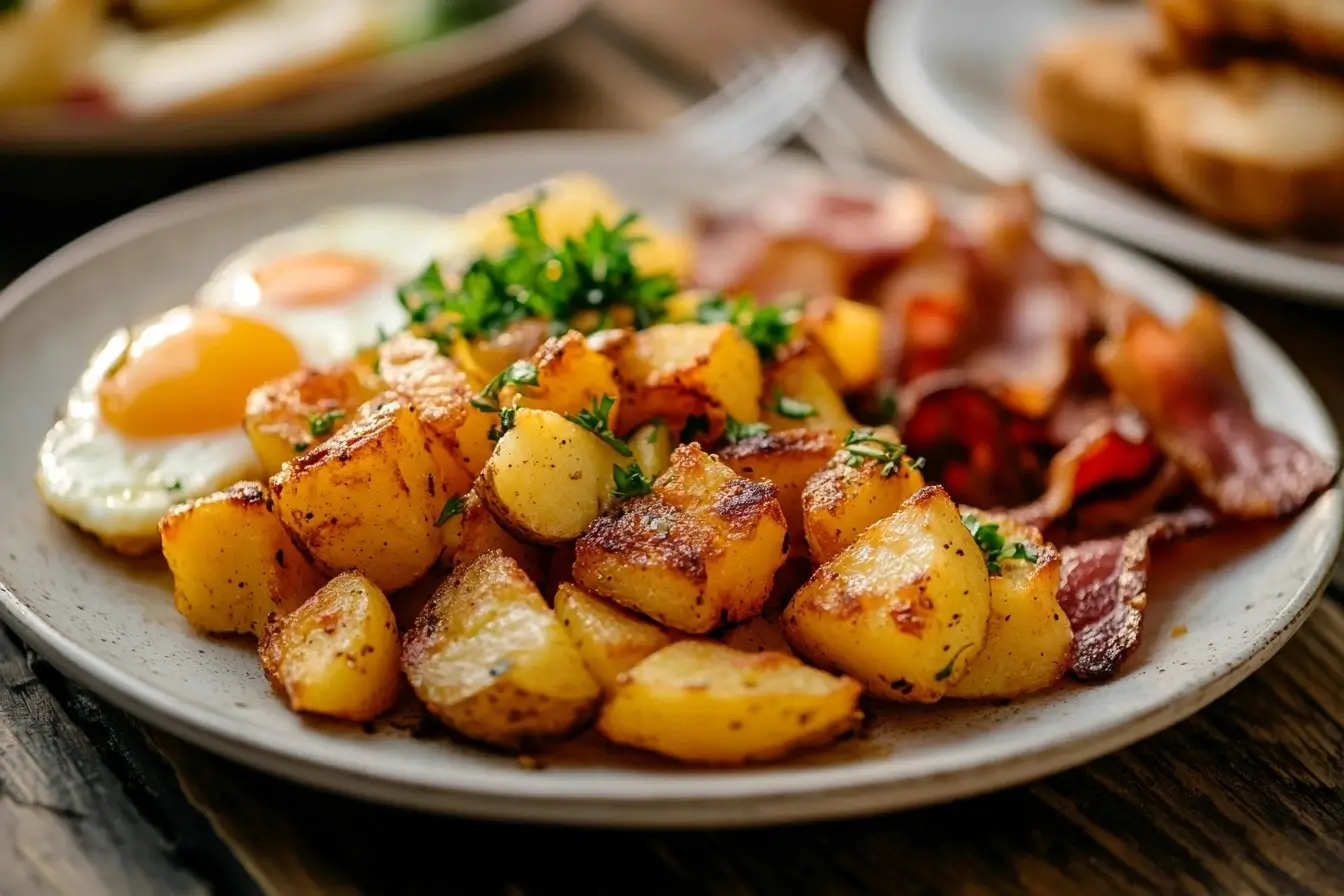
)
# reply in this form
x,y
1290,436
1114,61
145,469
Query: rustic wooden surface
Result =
x,y
1246,797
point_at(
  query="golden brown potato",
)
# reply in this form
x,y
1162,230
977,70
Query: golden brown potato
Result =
x,y
570,377
338,654
842,500
288,416
757,635
788,459
904,609
440,395
548,478
1029,642
233,563
473,531
652,447
801,391
698,552
368,498
675,371
488,657
699,701
850,332
610,639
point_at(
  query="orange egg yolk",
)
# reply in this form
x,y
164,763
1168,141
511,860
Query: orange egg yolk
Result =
x,y
316,278
190,372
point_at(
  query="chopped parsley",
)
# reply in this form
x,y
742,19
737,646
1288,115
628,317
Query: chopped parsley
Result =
x,y
630,481
323,424
767,327
792,408
451,508
862,445
946,672
595,420
655,427
519,373
696,424
995,546
735,430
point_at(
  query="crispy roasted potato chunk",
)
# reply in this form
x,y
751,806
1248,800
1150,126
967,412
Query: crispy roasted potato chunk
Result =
x,y
698,552
904,609
842,500
758,635
700,701
368,498
288,416
1029,642
675,371
440,395
233,563
652,447
801,390
610,639
488,657
338,654
850,332
474,531
570,377
548,478
788,459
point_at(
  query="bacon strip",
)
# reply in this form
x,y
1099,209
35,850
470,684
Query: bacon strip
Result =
x,y
1183,381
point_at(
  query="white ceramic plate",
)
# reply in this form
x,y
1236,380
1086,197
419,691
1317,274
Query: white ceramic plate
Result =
x,y
956,69
395,83
110,623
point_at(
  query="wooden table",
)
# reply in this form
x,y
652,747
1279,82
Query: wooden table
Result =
x,y
1246,797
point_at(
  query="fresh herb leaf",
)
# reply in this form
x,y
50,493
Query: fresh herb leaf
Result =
x,y
946,672
696,424
655,427
766,327
785,406
451,508
995,546
175,485
323,424
595,420
630,481
300,446
735,430
519,373
862,445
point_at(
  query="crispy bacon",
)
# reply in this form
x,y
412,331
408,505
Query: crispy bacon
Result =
x,y
1182,380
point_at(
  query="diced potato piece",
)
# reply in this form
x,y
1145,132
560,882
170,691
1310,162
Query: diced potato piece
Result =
x,y
850,332
475,531
233,563
758,635
489,658
368,498
1029,642
294,413
610,639
548,478
338,654
841,501
788,459
806,376
698,552
904,609
570,377
439,394
472,445
652,446
674,371
699,701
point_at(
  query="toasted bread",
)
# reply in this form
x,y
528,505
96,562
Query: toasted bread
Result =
x,y
1205,32
1258,146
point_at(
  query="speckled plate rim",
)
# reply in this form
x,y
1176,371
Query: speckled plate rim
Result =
x,y
711,799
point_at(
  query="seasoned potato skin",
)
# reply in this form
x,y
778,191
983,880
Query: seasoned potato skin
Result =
x,y
789,459
571,375
701,701
1029,641
699,551
278,415
368,498
439,393
232,561
489,658
548,478
840,501
905,609
338,654
475,531
610,639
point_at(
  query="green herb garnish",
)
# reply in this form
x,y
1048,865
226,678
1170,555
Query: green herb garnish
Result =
x,y
735,430
300,446
175,485
451,508
595,420
995,546
323,424
767,327
655,426
519,373
792,408
946,671
630,481
862,445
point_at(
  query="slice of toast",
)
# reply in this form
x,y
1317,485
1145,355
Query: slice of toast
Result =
x,y
1214,32
1259,146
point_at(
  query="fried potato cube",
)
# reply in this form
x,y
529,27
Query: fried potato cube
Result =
x,y
699,551
610,639
842,500
904,609
571,375
700,701
676,371
338,654
548,478
850,332
440,395
368,498
758,635
652,447
801,390
474,531
489,658
1029,642
788,459
232,561
287,416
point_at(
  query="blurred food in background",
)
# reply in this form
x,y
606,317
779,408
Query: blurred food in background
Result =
x,y
154,58
1233,107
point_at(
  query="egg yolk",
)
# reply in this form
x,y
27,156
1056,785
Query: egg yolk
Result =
x,y
190,372
315,278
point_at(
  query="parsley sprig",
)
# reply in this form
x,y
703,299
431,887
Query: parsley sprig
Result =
x,y
735,430
995,546
630,481
862,444
519,373
767,327
451,508
322,424
792,408
595,419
